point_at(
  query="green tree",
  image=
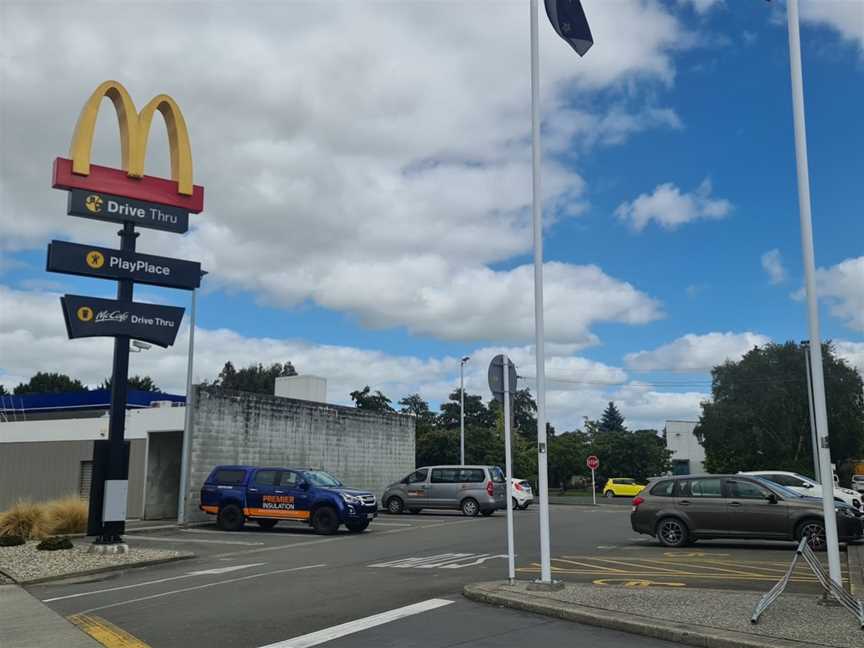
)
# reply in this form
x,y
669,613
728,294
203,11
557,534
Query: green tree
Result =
x,y
49,383
640,455
437,446
365,399
254,378
3,391
416,405
524,413
142,383
476,412
612,420
758,415
567,454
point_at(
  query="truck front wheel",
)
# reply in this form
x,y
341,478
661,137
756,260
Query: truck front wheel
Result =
x,y
357,527
325,521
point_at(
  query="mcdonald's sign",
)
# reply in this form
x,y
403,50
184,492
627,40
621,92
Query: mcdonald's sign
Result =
x,y
130,182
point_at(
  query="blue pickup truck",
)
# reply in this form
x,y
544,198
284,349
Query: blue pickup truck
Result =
x,y
235,494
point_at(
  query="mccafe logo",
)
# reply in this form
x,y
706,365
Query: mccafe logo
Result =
x,y
112,316
93,203
85,313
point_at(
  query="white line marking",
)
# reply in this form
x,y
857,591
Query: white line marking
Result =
x,y
200,587
152,582
198,540
393,524
476,562
352,627
224,570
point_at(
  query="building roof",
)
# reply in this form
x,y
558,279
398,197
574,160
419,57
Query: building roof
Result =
x,y
90,399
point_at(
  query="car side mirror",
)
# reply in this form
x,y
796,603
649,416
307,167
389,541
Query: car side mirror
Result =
x,y
772,498
808,485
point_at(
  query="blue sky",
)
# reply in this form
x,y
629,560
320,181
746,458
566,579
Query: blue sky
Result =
x,y
370,222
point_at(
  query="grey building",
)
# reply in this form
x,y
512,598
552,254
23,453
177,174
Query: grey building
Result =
x,y
51,458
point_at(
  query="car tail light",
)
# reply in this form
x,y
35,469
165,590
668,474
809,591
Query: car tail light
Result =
x,y
637,501
517,486
490,488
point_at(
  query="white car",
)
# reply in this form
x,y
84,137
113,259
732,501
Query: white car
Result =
x,y
806,486
522,493
858,483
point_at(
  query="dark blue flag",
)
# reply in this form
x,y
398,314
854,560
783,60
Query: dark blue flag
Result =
x,y
568,19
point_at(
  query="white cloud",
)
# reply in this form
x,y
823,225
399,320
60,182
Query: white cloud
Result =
x,y
695,353
852,352
670,208
702,6
363,160
842,287
844,16
33,338
772,263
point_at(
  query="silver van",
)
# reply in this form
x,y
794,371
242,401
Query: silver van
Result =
x,y
471,489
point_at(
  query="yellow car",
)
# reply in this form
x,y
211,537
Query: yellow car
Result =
x,y
623,486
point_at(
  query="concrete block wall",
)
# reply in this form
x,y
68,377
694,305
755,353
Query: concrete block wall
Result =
x,y
365,450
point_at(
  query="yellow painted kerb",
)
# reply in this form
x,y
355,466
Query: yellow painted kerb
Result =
x,y
134,134
105,632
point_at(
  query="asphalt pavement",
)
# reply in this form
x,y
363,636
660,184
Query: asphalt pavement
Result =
x,y
258,588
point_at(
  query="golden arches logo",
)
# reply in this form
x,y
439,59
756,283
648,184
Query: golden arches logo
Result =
x,y
85,313
134,134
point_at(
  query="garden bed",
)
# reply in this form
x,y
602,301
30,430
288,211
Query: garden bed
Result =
x,y
25,564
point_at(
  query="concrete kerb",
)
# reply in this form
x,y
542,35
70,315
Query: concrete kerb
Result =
x,y
103,570
702,637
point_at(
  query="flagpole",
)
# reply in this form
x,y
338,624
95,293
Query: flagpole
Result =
x,y
539,347
830,519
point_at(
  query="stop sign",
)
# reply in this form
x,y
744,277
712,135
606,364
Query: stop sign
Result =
x,y
593,462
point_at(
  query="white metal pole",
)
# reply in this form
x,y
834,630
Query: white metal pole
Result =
x,y
185,449
539,347
593,489
814,437
508,468
810,287
462,413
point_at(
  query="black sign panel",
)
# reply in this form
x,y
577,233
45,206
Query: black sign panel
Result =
x,y
92,261
105,207
92,317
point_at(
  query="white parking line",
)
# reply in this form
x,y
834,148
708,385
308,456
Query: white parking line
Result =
x,y
352,627
198,540
393,524
200,587
205,572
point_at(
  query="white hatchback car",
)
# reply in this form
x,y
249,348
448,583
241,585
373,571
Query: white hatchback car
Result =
x,y
522,494
806,486
858,483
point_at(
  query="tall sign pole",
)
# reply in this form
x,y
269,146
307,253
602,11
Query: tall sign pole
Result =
x,y
462,412
187,427
502,384
539,342
831,538
814,436
129,197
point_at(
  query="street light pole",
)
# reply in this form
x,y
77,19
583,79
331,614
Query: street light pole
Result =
x,y
462,409
539,346
831,539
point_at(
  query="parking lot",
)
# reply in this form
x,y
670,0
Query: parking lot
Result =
x,y
256,588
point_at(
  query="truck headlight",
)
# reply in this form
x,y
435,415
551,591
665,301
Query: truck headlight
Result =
x,y
351,499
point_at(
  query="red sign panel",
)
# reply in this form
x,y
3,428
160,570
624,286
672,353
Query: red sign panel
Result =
x,y
593,462
117,182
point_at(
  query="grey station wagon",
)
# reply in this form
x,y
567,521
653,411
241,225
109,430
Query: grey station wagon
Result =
x,y
471,489
678,510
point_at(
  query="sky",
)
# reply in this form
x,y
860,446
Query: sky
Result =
x,y
367,174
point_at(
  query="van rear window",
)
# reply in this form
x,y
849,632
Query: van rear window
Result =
x,y
497,475
233,477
